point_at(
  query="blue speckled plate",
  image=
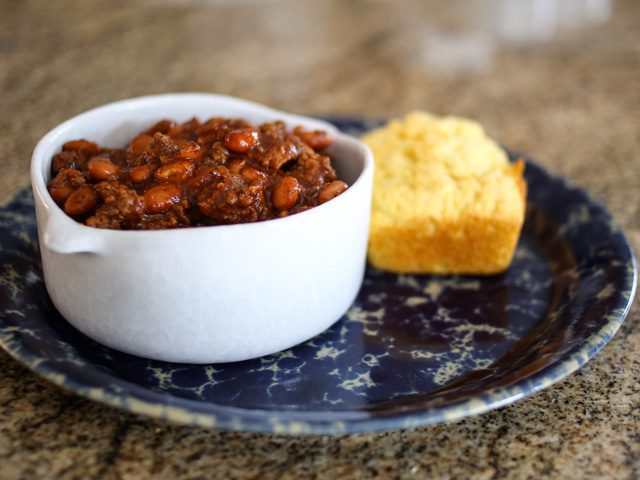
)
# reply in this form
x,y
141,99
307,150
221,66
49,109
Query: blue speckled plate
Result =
x,y
413,349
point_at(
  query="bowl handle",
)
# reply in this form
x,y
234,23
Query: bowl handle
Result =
x,y
65,236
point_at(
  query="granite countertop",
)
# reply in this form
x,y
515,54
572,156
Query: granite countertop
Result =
x,y
562,88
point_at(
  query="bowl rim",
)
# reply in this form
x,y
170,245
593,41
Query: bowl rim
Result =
x,y
42,154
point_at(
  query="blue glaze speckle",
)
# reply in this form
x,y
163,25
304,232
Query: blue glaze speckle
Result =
x,y
413,349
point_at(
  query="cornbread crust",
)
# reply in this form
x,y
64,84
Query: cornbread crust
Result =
x,y
446,198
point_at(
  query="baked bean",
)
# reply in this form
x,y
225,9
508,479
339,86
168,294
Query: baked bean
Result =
x,y
84,146
241,141
142,173
65,183
81,202
175,171
214,124
317,139
61,193
286,193
163,126
189,150
161,197
101,168
141,144
175,131
332,190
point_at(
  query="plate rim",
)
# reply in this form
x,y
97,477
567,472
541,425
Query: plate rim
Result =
x,y
141,400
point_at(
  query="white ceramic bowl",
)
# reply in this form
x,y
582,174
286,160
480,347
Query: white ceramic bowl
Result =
x,y
204,294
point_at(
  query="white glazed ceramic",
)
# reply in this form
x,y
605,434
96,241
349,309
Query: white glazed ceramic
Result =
x,y
205,294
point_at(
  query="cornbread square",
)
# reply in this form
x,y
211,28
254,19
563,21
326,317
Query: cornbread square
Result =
x,y
446,198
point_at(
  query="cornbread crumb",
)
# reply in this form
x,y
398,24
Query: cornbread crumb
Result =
x,y
446,198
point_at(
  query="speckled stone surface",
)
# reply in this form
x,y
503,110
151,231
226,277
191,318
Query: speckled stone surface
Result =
x,y
568,95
